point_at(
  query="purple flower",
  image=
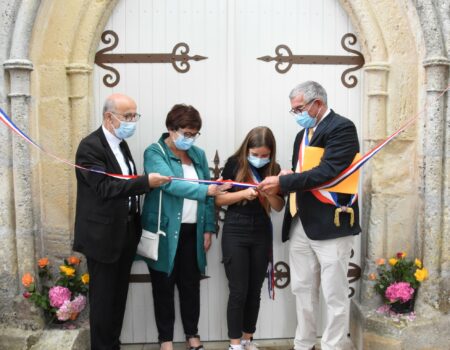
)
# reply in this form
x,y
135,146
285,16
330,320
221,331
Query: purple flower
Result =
x,y
78,303
399,291
58,295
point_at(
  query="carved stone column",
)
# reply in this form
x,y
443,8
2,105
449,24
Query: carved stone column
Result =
x,y
434,160
374,216
19,71
79,75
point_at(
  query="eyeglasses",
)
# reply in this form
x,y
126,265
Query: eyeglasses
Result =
x,y
299,109
189,135
129,117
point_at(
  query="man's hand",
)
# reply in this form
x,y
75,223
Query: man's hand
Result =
x,y
270,185
285,172
207,240
156,180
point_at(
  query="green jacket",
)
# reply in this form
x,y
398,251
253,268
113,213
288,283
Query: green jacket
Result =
x,y
172,203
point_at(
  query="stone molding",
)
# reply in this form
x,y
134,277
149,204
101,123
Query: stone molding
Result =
x,y
19,64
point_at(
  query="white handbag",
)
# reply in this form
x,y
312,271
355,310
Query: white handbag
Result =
x,y
148,245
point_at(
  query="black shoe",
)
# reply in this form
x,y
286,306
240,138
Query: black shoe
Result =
x,y
189,347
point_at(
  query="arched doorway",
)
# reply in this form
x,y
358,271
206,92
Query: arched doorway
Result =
x,y
233,92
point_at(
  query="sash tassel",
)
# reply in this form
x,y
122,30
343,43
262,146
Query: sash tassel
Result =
x,y
344,209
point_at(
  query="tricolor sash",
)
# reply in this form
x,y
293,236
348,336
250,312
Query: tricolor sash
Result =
x,y
323,195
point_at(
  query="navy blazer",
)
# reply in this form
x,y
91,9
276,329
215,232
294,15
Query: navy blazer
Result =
x,y
102,201
338,136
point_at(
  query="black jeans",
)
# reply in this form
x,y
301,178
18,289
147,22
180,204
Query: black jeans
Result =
x,y
186,276
246,243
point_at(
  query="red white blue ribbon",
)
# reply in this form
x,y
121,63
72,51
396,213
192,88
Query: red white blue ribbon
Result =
x,y
14,128
355,166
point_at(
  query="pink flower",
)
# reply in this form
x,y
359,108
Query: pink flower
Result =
x,y
64,311
400,291
58,295
78,303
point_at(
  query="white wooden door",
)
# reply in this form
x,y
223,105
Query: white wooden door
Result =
x,y
234,92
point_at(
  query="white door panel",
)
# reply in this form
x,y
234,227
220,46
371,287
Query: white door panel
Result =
x,y
233,92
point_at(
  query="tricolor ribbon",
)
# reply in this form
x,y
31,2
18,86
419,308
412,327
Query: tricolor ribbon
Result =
x,y
270,266
215,182
14,128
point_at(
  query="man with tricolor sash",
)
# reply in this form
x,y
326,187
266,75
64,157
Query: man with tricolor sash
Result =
x,y
320,221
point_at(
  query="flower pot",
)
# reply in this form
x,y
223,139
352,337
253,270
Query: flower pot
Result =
x,y
73,316
406,307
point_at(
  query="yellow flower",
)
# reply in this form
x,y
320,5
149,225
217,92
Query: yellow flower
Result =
x,y
380,261
43,262
67,270
85,278
393,261
421,274
372,276
418,263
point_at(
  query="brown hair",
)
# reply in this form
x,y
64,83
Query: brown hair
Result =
x,y
260,136
183,116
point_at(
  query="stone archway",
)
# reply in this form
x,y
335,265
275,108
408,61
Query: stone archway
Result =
x,y
62,47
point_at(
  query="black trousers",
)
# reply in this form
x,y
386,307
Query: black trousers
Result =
x,y
186,276
246,243
108,289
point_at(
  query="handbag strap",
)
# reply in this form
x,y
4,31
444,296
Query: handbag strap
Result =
x,y
160,193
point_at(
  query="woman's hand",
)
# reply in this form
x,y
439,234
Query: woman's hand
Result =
x,y
249,194
207,241
217,190
156,180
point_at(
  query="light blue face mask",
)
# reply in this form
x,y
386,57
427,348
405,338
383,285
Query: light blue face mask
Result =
x,y
183,143
305,120
125,129
258,162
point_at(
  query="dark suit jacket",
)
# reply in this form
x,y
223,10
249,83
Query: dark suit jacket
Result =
x,y
102,201
338,136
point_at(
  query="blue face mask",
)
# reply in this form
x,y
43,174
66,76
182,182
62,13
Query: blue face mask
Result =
x,y
125,129
305,120
183,143
258,162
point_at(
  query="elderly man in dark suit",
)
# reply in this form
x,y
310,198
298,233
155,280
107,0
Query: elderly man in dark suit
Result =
x,y
107,222
320,248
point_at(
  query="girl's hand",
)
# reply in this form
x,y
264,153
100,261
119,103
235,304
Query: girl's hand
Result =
x,y
249,194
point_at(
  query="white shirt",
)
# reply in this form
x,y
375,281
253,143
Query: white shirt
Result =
x,y
189,215
327,112
114,143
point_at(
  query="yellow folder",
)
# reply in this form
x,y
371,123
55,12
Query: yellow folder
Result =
x,y
312,157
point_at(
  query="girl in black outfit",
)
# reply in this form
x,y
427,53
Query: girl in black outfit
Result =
x,y
247,233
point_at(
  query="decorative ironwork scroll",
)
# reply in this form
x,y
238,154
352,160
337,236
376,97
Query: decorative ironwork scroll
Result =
x,y
216,172
178,57
285,59
353,274
282,274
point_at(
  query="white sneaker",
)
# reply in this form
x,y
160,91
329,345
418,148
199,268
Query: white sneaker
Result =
x,y
249,345
236,347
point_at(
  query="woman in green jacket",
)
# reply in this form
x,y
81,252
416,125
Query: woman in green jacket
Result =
x,y
187,218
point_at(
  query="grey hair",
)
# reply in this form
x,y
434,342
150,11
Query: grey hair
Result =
x,y
311,91
109,105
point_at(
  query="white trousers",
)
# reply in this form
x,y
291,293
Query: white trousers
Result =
x,y
316,264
